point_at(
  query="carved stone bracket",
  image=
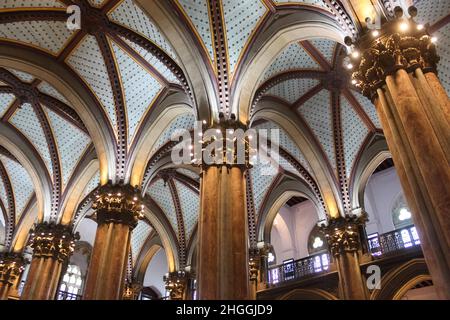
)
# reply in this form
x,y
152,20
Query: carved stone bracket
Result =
x,y
343,234
402,44
121,204
50,240
11,267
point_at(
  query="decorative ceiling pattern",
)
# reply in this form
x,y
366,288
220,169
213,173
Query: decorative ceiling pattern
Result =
x,y
190,202
21,183
8,4
71,143
5,102
325,47
317,114
139,86
153,61
292,90
286,143
48,89
443,48
26,121
294,57
50,36
182,122
368,107
138,237
160,193
97,3
87,61
319,3
198,13
25,77
241,20
431,11
354,132
130,15
191,174
260,184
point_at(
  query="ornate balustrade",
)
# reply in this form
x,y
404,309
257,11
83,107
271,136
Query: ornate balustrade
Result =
x,y
293,270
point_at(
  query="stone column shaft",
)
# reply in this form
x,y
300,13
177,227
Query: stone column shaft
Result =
x,y
421,178
118,209
398,72
223,233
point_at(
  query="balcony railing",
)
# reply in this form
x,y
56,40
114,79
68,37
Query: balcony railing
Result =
x,y
293,270
379,245
394,241
63,295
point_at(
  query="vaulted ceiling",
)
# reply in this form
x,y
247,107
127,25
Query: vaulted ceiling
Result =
x,y
133,69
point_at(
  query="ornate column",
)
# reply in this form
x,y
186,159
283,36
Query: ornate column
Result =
x,y
118,209
177,284
398,72
344,242
11,268
52,244
223,232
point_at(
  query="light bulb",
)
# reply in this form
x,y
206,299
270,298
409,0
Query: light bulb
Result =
x,y
404,26
375,33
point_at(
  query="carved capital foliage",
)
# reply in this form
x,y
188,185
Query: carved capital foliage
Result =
x,y
121,204
402,44
132,290
343,234
55,241
225,144
11,267
176,284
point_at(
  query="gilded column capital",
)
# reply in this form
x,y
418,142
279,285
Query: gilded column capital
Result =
x,y
132,290
121,204
176,283
343,234
50,240
399,44
11,267
226,143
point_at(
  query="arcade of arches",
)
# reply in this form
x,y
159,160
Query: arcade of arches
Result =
x,y
351,113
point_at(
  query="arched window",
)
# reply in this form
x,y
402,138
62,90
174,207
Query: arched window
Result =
x,y
401,215
71,284
316,242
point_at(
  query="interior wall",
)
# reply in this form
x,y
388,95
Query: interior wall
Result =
x,y
381,191
291,229
87,229
155,272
